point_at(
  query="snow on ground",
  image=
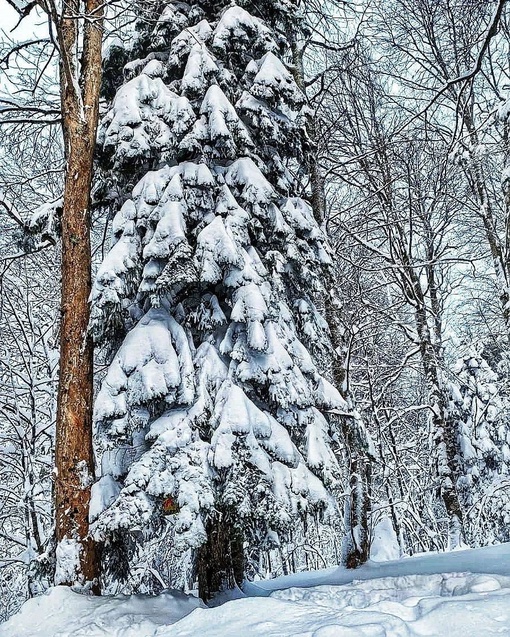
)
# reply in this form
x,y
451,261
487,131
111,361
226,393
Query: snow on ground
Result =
x,y
490,559
409,606
464,594
63,613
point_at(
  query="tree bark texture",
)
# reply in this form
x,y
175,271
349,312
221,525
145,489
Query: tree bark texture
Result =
x,y
80,83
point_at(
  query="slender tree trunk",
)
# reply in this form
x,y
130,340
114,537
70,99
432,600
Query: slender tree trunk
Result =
x,y
220,560
80,83
444,431
318,199
356,544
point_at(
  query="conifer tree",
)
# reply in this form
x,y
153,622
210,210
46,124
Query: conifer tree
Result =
x,y
215,396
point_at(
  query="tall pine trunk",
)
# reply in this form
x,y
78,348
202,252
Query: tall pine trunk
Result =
x,y
80,83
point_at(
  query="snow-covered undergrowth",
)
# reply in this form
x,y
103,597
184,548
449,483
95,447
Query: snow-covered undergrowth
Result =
x,y
464,594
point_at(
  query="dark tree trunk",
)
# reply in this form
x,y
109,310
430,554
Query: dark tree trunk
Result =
x,y
220,561
357,508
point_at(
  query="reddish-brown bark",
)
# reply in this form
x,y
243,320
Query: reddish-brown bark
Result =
x,y
80,84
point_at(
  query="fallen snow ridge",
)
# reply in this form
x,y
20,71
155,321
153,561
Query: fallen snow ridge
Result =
x,y
464,594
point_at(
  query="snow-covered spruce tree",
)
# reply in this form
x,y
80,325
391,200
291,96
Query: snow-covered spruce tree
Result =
x,y
214,397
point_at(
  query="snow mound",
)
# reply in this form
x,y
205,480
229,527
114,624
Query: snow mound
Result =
x,y
63,613
384,544
489,559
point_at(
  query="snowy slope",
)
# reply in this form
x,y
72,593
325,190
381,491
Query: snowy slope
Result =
x,y
464,594
490,559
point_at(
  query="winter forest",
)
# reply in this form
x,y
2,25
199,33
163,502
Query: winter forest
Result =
x,y
254,289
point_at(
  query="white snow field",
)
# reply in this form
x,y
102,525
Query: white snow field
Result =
x,y
463,593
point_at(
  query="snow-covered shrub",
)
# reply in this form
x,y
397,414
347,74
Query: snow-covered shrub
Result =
x,y
480,401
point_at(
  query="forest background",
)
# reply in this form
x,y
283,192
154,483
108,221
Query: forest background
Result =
x,y
410,139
